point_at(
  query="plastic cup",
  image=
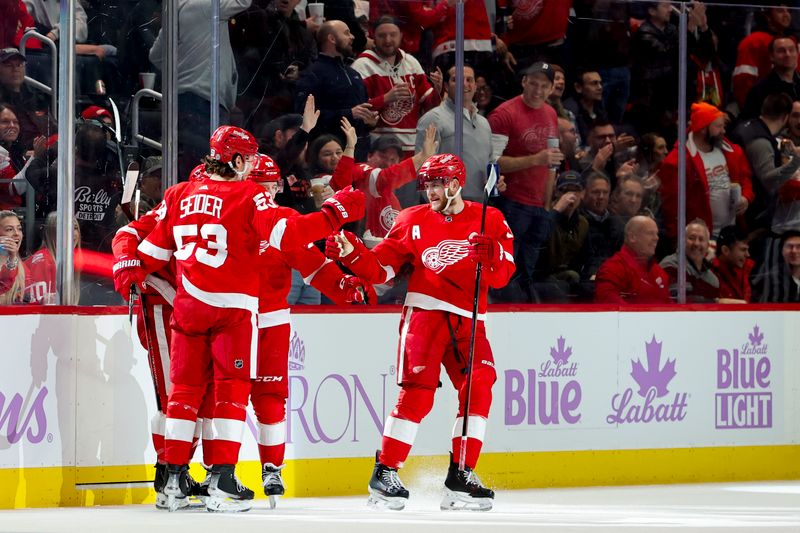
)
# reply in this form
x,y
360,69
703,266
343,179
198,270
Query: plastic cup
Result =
x,y
147,80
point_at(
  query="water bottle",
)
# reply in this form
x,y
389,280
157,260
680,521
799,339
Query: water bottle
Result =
x,y
553,144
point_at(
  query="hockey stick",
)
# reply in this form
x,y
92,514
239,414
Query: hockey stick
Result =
x,y
487,190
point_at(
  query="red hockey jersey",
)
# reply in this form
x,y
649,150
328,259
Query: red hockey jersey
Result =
x,y
436,245
213,229
398,118
477,31
125,244
378,186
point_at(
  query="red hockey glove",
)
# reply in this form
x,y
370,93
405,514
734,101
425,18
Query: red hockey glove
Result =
x,y
484,249
345,206
344,247
357,291
127,271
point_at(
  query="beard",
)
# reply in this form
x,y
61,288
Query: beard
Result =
x,y
345,49
714,140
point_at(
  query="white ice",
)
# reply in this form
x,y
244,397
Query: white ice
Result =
x,y
746,507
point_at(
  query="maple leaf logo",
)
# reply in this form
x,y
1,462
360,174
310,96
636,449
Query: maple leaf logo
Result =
x,y
653,376
561,352
756,337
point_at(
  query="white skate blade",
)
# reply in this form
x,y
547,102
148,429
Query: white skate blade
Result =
x,y
459,501
219,504
273,500
382,503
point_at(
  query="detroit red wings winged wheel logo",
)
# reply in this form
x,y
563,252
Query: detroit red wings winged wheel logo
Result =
x,y
527,9
444,254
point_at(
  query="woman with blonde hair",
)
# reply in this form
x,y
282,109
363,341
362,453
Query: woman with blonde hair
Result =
x,y
12,272
41,267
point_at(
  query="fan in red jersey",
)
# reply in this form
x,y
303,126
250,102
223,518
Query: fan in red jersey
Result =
x,y
270,386
213,228
441,240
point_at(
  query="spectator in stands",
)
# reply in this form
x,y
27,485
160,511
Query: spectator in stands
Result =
x,y
753,56
13,157
338,90
608,152
559,86
537,31
40,267
46,14
193,56
272,45
792,131
31,106
97,194
13,22
603,36
587,104
651,152
732,264
718,176
413,18
565,251
520,130
654,76
137,36
626,200
606,231
772,164
150,180
344,10
783,78
702,285
397,87
285,139
568,144
633,275
477,139
12,272
788,288
486,100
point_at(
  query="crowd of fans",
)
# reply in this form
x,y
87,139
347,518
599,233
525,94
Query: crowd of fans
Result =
x,y
576,100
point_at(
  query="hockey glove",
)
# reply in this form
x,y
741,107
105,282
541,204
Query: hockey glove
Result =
x,y
357,291
485,249
344,247
345,206
127,272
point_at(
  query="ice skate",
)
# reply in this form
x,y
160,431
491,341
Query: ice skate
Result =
x,y
198,492
176,488
226,494
273,483
464,491
159,481
386,491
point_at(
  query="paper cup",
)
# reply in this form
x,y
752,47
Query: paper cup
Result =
x,y
317,12
147,80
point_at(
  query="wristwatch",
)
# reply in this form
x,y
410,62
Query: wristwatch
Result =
x,y
11,264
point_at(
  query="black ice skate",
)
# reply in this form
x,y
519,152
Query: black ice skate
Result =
x,y
199,491
158,485
226,493
273,483
176,488
463,490
386,491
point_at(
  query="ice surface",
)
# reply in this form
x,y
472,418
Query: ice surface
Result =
x,y
746,507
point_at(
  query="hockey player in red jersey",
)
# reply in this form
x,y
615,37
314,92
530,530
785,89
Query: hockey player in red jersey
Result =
x,y
379,184
153,317
442,242
270,387
214,227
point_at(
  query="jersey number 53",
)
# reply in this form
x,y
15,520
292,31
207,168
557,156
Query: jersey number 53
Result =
x,y
214,239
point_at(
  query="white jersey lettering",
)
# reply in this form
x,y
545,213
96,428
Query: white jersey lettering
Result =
x,y
201,203
415,234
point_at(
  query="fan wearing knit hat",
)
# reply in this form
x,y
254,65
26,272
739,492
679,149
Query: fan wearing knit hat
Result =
x,y
718,176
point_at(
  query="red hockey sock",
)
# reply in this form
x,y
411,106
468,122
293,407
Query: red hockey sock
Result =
x,y
400,430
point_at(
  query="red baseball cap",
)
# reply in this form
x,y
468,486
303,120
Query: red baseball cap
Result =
x,y
94,112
